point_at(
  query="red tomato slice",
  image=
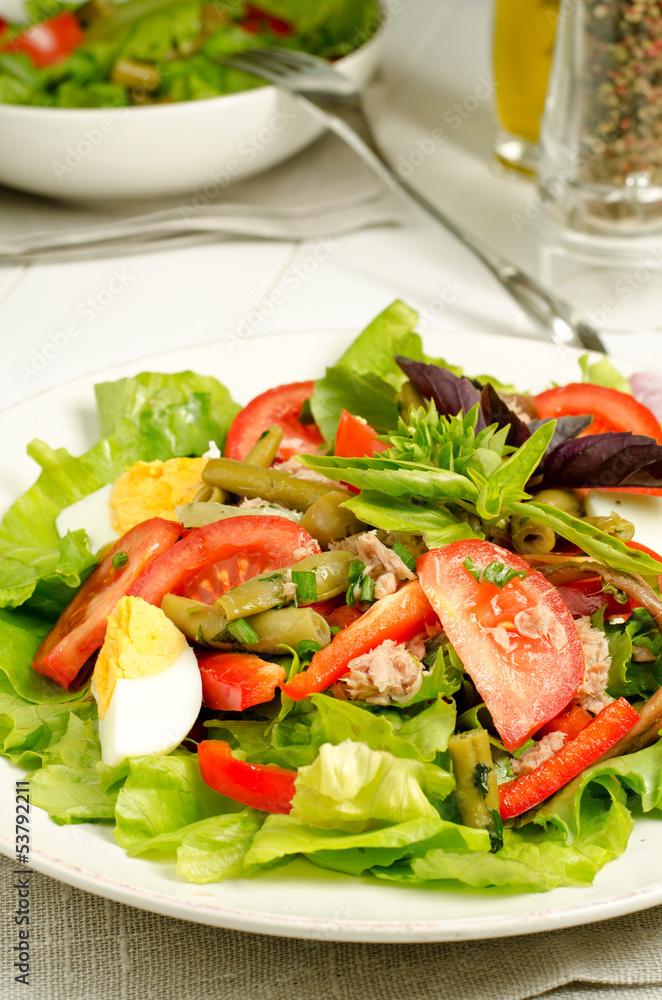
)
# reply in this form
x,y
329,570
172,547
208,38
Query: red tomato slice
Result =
x,y
262,786
570,721
355,437
211,560
232,682
257,20
612,410
344,616
399,616
81,628
525,680
49,42
280,406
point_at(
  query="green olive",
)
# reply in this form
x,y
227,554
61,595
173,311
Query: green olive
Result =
x,y
565,500
328,521
530,537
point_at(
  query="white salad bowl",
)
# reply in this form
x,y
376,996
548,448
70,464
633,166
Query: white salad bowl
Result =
x,y
99,154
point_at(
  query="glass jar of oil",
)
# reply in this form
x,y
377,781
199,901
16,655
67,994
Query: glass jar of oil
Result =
x,y
524,32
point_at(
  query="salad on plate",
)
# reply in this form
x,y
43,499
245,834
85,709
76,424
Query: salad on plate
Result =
x,y
395,620
138,52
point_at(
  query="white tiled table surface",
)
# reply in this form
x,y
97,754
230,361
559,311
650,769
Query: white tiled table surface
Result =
x,y
436,76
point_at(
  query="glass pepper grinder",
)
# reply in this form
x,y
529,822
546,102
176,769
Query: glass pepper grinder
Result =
x,y
600,170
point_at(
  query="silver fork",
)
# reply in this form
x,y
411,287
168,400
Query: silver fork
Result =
x,y
335,99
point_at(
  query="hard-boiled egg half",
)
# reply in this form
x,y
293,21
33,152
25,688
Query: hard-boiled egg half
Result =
x,y
645,513
146,683
144,490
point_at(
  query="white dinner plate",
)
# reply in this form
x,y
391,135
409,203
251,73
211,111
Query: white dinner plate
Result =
x,y
301,900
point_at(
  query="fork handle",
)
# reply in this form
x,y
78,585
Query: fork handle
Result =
x,y
559,321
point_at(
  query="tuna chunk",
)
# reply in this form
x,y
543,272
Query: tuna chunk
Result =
x,y
538,622
299,471
591,693
381,563
539,753
386,674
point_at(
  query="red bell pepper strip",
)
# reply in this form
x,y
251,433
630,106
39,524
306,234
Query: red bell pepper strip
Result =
x,y
399,616
262,786
50,41
606,729
232,682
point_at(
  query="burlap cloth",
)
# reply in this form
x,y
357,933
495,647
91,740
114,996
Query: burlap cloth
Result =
x,y
87,948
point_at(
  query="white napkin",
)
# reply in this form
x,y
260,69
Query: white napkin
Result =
x,y
324,191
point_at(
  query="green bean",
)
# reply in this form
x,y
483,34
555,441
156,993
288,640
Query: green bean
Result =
x,y
210,494
263,592
132,73
528,536
201,623
328,522
265,448
566,500
614,525
269,484
288,627
476,787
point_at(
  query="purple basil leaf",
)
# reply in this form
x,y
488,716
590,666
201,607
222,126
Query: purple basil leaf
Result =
x,y
451,394
604,460
566,429
496,411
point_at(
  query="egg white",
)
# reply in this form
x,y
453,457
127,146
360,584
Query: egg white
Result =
x,y
93,514
151,715
645,513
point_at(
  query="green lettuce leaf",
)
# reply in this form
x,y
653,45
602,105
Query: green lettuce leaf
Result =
x,y
177,414
153,416
69,787
351,787
419,737
366,378
209,850
602,372
162,794
356,852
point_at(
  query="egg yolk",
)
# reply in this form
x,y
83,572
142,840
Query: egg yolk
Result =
x,y
140,642
154,489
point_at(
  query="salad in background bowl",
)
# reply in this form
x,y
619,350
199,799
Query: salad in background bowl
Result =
x,y
101,101
467,648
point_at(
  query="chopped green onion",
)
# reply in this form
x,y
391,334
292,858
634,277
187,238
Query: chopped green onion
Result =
x,y
367,592
335,629
355,573
306,584
496,835
495,572
481,776
243,632
405,555
120,559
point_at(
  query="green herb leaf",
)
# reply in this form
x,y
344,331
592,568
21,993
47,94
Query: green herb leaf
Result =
x,y
120,559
